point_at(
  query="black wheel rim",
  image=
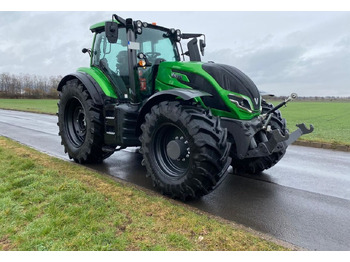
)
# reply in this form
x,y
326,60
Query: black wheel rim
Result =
x,y
75,122
171,167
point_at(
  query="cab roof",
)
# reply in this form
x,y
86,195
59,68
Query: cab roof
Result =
x,y
100,26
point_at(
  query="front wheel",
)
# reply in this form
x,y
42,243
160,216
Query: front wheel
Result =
x,y
185,150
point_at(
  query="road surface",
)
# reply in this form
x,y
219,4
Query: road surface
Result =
x,y
304,200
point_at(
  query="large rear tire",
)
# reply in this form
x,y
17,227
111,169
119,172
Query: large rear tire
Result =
x,y
185,150
258,164
80,124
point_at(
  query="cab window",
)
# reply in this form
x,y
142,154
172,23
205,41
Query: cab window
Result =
x,y
112,59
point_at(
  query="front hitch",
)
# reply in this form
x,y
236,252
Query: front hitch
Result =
x,y
269,141
268,114
277,141
288,138
302,130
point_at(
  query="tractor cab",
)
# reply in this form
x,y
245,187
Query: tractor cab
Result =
x,y
129,53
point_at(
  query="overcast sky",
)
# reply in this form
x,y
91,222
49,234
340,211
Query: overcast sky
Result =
x,y
283,52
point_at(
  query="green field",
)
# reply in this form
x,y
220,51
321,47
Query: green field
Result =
x,y
330,119
51,204
46,106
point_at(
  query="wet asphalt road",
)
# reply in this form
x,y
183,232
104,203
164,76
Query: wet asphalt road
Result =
x,y
303,200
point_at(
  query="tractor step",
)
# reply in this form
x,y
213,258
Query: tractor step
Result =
x,y
108,149
120,125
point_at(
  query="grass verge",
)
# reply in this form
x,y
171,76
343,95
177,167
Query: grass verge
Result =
x,y
45,106
50,204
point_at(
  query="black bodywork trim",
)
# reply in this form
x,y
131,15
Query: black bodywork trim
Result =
x,y
232,79
198,82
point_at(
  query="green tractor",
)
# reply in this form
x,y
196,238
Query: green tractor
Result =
x,y
191,120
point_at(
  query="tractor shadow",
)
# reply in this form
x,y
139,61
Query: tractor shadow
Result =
x,y
125,165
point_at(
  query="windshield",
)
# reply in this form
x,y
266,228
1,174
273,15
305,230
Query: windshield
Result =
x,y
155,45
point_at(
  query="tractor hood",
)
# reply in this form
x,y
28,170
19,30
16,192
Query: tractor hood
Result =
x,y
232,91
232,79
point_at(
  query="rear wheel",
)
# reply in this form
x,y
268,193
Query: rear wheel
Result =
x,y
80,124
258,164
185,150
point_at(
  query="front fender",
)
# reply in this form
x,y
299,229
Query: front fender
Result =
x,y
166,95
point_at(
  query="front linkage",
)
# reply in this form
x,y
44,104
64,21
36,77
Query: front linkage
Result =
x,y
257,138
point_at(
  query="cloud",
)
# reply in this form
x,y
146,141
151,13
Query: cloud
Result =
x,y
280,51
315,60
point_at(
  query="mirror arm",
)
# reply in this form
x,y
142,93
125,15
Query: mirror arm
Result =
x,y
119,19
86,50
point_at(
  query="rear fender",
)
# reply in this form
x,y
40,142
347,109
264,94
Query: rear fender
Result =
x,y
90,84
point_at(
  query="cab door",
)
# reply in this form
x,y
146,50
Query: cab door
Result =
x,y
112,60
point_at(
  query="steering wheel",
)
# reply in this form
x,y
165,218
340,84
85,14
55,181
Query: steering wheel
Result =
x,y
152,55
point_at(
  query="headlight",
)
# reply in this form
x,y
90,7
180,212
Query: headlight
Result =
x,y
138,23
138,27
241,102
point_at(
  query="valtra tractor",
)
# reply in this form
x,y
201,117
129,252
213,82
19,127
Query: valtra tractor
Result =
x,y
191,120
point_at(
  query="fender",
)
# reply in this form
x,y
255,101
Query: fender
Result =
x,y
90,84
166,95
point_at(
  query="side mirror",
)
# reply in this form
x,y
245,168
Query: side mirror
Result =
x,y
201,46
193,51
111,29
86,50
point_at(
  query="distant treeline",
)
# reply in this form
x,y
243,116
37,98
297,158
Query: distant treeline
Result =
x,y
28,86
311,98
33,86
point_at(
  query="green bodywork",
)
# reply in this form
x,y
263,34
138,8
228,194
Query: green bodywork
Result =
x,y
165,80
101,79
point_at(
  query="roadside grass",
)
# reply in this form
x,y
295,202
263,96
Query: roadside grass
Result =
x,y
330,119
51,204
46,106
